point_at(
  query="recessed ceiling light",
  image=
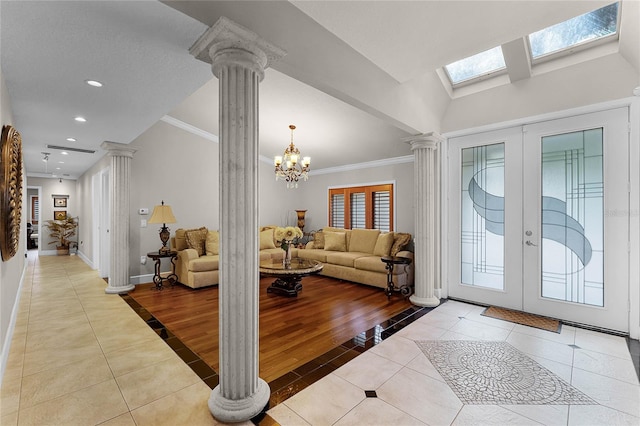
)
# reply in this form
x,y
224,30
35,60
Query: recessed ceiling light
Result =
x,y
80,119
71,139
93,83
57,168
64,153
60,162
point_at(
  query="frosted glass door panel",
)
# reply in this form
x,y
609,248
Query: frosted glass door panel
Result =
x,y
482,216
572,217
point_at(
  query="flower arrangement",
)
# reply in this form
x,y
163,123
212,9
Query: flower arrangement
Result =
x,y
285,236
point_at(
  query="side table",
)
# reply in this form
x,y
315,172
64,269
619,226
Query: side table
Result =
x,y
390,262
158,279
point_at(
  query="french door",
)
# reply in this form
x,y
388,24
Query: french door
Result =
x,y
539,218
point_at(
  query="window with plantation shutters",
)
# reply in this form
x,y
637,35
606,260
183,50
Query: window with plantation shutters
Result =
x,y
364,207
358,210
382,210
35,210
336,213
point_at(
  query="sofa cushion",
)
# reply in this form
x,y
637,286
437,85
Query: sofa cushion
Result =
x,y
384,244
204,263
347,233
318,240
335,241
400,241
180,239
314,254
374,264
212,243
363,240
344,259
196,238
266,239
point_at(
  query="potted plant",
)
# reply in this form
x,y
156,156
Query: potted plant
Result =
x,y
62,230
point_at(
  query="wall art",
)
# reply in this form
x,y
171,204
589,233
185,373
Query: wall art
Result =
x,y
10,191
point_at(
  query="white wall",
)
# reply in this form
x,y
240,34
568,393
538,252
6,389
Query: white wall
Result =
x,y
604,79
12,270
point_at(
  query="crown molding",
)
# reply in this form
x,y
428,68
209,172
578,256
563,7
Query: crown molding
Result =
x,y
348,167
189,128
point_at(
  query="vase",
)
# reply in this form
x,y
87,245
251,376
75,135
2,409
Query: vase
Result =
x,y
300,214
286,260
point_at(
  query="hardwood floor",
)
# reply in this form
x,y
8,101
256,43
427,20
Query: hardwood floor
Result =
x,y
293,331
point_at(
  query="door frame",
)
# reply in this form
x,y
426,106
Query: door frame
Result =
x,y
633,103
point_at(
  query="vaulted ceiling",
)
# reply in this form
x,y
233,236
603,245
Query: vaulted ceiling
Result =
x,y
358,75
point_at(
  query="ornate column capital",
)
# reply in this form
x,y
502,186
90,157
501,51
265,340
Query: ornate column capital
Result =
x,y
429,140
115,149
227,42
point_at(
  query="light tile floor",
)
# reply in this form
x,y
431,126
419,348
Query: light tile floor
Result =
x,y
81,357
411,391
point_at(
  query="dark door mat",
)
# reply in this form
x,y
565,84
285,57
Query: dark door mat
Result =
x,y
523,318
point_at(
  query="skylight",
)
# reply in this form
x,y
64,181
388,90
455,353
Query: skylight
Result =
x,y
476,66
596,25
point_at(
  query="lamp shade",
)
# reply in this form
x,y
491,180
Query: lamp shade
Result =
x,y
162,214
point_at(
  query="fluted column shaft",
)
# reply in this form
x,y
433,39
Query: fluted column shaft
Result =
x,y
119,190
427,217
238,59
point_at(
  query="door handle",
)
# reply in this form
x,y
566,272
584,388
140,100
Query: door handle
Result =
x,y
529,243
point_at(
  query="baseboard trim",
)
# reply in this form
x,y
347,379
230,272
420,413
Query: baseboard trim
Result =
x,y
6,345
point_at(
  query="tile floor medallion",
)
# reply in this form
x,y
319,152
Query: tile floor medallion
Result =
x,y
489,373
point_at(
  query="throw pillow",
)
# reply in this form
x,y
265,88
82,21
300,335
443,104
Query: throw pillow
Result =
x,y
363,240
266,239
384,244
212,243
335,241
180,239
401,240
196,238
318,240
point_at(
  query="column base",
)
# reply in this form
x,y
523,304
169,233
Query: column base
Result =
x,y
234,411
119,289
427,302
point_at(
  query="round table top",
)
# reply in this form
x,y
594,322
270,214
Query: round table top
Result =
x,y
156,254
298,266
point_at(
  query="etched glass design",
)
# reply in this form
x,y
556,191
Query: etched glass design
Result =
x,y
572,217
482,216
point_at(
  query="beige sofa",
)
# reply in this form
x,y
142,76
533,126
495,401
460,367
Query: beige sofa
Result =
x,y
355,255
198,254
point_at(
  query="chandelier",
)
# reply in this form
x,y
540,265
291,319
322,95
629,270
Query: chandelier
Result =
x,y
289,167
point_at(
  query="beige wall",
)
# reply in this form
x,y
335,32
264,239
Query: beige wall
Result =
x,y
48,188
313,194
11,271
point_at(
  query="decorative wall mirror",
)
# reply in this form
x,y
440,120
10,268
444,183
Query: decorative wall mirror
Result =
x,y
10,191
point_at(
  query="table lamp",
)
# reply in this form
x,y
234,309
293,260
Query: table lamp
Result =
x,y
163,214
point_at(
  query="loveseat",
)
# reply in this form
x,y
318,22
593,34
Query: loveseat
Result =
x,y
197,264
355,255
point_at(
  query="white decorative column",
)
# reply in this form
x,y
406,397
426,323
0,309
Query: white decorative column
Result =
x,y
427,217
119,189
239,58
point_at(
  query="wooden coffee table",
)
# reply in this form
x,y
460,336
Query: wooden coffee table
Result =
x,y
288,278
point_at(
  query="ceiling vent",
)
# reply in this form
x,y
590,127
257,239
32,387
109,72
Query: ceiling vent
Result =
x,y
66,148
